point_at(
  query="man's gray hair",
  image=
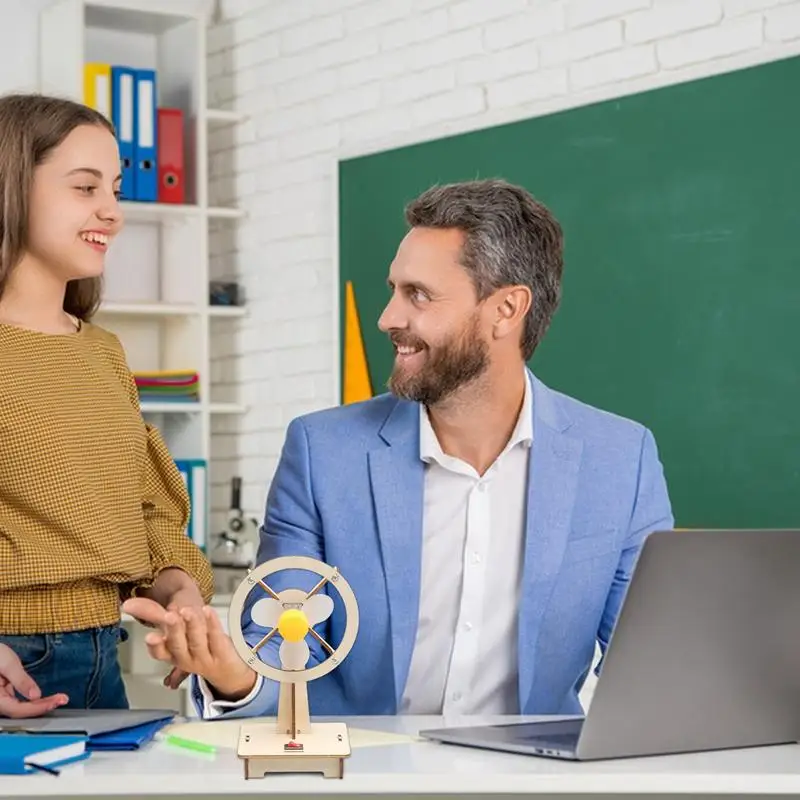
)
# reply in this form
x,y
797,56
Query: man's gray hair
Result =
x,y
510,240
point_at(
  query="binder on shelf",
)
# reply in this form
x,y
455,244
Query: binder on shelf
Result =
x,y
123,115
146,173
194,473
170,155
97,87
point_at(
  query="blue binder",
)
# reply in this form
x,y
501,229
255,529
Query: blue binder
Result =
x,y
194,473
23,753
146,138
123,115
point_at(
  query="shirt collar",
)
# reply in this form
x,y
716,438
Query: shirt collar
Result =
x,y
430,450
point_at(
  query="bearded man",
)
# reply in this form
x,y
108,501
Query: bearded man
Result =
x,y
487,524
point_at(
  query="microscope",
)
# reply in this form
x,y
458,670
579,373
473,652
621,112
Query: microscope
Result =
x,y
234,553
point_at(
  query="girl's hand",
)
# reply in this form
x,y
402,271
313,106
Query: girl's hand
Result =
x,y
13,679
173,589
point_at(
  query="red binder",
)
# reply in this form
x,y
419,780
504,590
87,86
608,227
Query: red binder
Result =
x,y
170,156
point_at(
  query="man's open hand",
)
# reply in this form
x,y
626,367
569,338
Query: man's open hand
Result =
x,y
194,642
172,590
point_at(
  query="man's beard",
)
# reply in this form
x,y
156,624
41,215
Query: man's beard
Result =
x,y
446,368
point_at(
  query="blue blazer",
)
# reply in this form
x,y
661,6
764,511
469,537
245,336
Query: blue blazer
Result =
x,y
348,490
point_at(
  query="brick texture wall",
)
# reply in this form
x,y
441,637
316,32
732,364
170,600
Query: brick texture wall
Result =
x,y
319,78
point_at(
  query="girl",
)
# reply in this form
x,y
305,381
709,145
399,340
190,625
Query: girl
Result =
x,y
92,507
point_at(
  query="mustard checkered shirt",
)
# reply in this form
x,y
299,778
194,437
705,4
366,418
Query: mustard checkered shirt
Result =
x,y
92,505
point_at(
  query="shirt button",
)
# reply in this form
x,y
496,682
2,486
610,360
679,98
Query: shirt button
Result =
x,y
476,559
467,626
456,696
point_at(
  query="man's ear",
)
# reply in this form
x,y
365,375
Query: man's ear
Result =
x,y
511,304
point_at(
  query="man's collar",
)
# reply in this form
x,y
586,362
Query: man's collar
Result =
x,y
430,450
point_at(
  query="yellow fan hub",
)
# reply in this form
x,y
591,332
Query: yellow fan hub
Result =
x,y
293,625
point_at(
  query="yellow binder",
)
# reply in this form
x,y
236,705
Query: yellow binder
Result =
x,y
97,87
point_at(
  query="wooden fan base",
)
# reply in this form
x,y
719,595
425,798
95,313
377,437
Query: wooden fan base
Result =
x,y
292,743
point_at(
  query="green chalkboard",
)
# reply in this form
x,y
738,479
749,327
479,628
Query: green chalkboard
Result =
x,y
681,306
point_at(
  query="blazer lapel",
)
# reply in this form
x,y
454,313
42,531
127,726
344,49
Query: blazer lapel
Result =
x,y
552,481
397,478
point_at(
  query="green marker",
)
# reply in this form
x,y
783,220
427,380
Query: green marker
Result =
x,y
189,744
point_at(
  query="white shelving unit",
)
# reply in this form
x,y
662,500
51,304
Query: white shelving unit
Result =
x,y
156,296
157,276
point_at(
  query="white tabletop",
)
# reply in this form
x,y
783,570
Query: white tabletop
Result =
x,y
388,757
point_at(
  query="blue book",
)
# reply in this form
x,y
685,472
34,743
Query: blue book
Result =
x,y
128,738
23,753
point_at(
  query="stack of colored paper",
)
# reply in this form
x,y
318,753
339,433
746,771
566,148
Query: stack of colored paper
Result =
x,y
180,386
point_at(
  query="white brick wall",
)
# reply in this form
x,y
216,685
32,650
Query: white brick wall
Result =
x,y
325,77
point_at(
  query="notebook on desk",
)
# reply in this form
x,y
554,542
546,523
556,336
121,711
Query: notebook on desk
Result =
x,y
97,724
23,753
128,738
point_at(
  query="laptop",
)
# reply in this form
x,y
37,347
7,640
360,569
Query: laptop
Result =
x,y
705,656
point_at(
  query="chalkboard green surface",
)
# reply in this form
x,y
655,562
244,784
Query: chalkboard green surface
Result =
x,y
681,307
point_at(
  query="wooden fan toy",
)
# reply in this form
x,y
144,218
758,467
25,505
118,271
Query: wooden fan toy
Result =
x,y
292,743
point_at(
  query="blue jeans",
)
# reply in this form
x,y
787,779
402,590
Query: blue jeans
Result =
x,y
82,664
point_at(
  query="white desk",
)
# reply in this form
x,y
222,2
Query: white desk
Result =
x,y
419,769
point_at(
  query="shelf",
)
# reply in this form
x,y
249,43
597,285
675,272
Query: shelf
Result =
x,y
149,212
131,20
170,407
169,310
220,212
220,117
149,309
159,212
159,268
152,407
227,311
226,408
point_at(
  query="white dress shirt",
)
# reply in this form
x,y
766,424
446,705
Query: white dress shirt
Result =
x,y
465,653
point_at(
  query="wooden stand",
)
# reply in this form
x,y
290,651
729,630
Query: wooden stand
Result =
x,y
292,744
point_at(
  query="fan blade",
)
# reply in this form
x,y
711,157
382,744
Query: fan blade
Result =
x,y
294,655
318,608
266,612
